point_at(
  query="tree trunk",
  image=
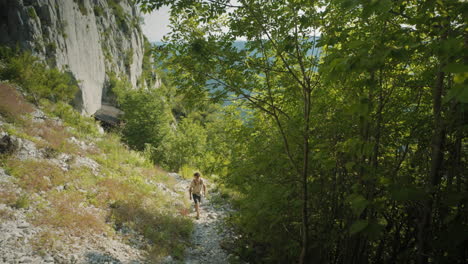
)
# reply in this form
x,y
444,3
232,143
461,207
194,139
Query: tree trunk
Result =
x,y
437,156
305,172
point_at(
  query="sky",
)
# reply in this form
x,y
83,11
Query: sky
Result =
x,y
156,24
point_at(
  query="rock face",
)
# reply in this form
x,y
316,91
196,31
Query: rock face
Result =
x,y
88,38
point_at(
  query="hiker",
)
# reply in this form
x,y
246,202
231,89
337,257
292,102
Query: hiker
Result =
x,y
195,189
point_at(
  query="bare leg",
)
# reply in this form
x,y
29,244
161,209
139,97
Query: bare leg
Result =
x,y
197,208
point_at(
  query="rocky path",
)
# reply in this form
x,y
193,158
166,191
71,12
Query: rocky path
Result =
x,y
208,232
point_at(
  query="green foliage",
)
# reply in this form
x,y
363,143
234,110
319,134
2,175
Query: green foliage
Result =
x,y
373,130
22,202
98,10
85,126
82,7
183,146
120,16
32,13
145,116
37,80
128,59
148,74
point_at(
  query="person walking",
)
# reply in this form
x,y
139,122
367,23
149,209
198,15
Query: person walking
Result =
x,y
195,191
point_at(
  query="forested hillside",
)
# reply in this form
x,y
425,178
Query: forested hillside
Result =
x,y
356,155
335,131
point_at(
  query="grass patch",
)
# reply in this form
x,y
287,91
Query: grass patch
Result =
x,y
86,127
18,132
168,232
7,195
68,210
54,135
12,104
36,175
45,241
6,214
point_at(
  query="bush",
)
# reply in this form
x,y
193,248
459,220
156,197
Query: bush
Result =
x,y
98,10
36,79
146,124
22,202
85,126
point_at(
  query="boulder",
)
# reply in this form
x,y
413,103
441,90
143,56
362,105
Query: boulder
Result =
x,y
7,145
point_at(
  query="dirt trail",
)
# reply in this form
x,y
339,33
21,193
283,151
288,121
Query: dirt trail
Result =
x,y
208,232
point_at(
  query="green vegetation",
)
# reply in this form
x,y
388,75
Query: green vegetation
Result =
x,y
36,79
82,7
81,200
348,148
147,78
146,116
98,10
32,13
128,59
120,16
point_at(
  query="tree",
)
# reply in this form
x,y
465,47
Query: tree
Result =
x,y
146,115
277,62
372,136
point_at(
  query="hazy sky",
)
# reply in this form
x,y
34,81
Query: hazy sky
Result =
x,y
156,24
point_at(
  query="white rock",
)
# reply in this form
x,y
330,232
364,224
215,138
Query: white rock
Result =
x,y
4,177
87,162
23,225
48,259
25,259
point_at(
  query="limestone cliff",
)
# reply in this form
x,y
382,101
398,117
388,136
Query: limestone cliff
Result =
x,y
88,38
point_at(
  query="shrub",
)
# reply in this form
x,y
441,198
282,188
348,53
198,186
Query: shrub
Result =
x,y
32,13
45,241
12,103
147,123
82,7
37,80
22,202
84,125
128,59
98,10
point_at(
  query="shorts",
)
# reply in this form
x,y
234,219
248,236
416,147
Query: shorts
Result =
x,y
196,198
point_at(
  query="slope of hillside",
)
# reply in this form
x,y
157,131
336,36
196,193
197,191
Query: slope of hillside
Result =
x,y
70,193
